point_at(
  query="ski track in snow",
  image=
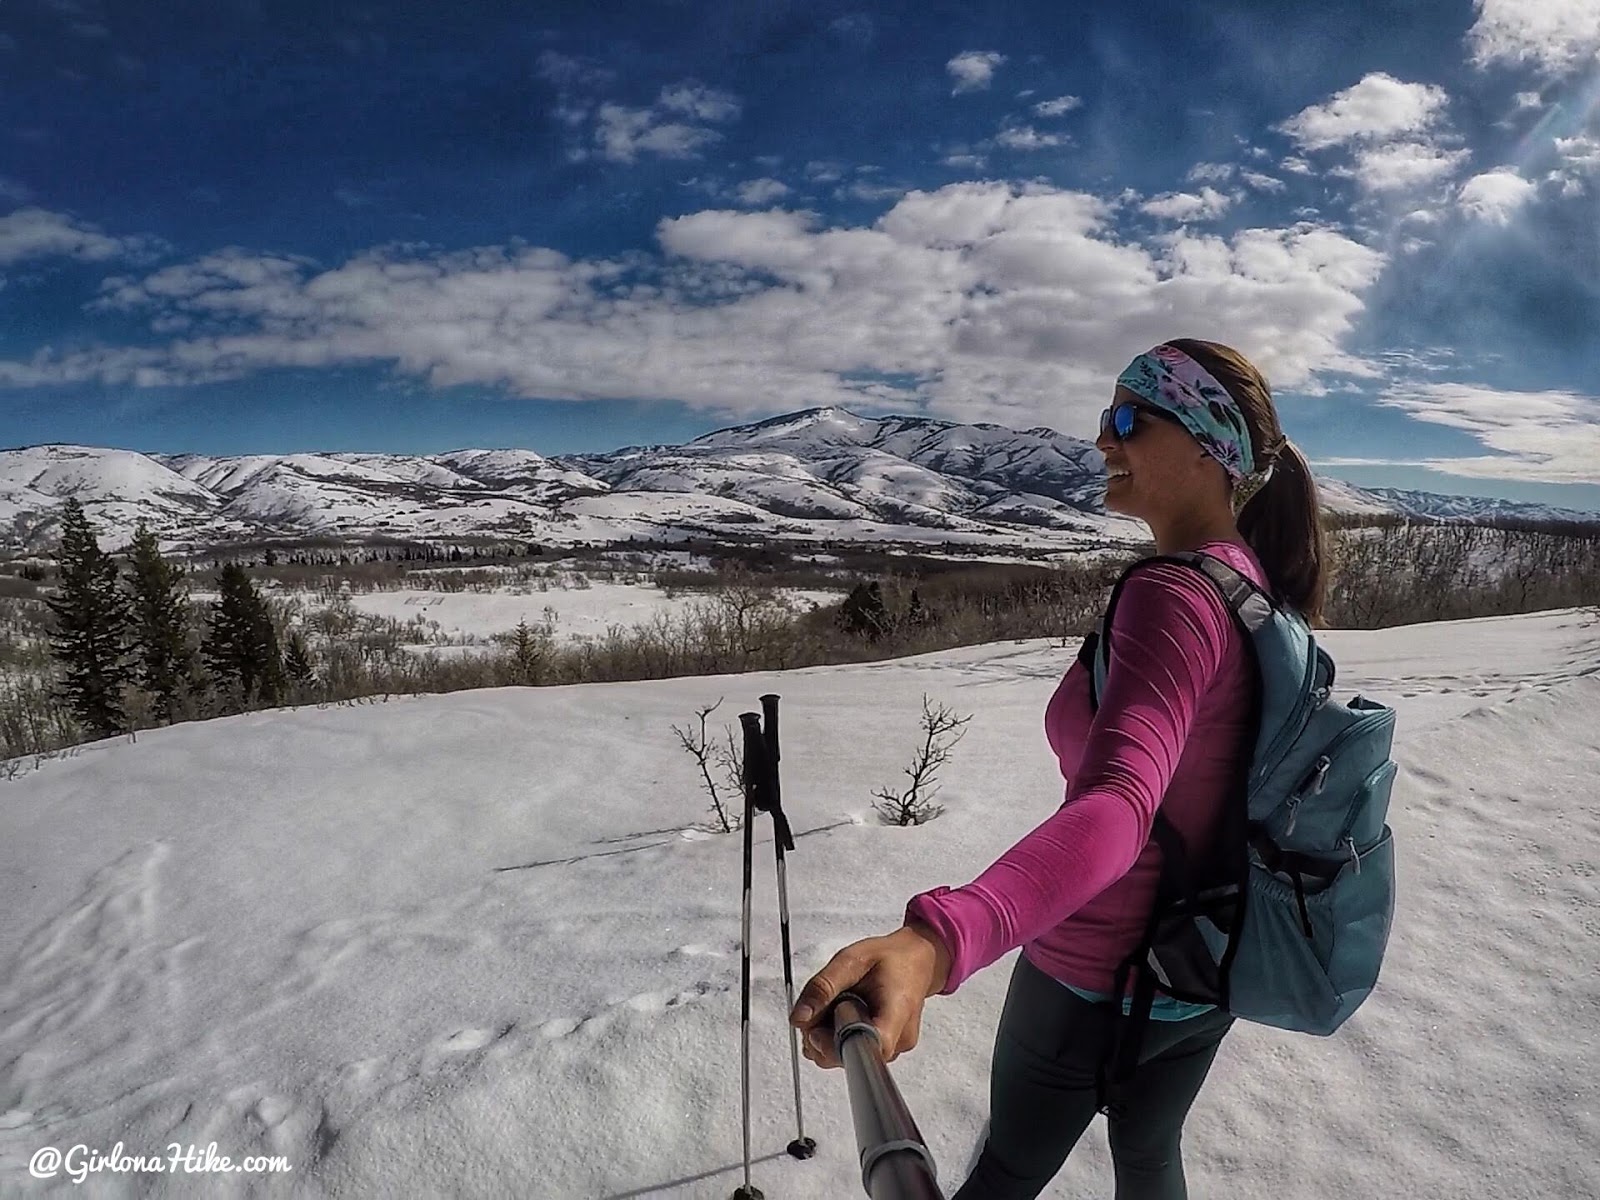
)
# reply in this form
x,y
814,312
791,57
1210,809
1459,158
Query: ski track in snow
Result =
x,y
543,1006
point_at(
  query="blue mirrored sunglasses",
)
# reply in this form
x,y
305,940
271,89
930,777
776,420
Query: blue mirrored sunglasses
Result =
x,y
1122,419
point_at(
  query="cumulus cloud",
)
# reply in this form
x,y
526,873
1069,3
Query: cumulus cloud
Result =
x,y
973,70
1056,107
35,233
1026,137
1380,106
699,103
1402,166
1581,153
1208,172
1295,166
623,133
1545,437
756,192
1495,196
1262,183
1527,100
1186,206
675,126
1557,37
1009,304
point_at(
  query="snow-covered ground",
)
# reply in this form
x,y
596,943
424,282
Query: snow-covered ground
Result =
x,y
576,613
473,944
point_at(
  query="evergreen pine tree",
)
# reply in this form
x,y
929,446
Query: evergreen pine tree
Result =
x,y
163,661
91,620
297,659
241,648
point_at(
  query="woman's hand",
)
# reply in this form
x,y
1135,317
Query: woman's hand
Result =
x,y
893,975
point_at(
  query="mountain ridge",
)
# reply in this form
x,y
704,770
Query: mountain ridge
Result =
x,y
818,473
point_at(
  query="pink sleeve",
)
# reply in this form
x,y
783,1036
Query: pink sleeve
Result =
x,y
1169,635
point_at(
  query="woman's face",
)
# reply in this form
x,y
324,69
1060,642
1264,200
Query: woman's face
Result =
x,y
1154,470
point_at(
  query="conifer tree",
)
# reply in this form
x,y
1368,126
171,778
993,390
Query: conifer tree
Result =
x,y
241,648
163,661
297,659
91,621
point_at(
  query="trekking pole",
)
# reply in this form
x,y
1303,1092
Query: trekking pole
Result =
x,y
754,753
763,794
895,1162
802,1147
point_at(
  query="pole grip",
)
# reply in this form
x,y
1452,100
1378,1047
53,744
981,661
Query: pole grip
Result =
x,y
755,761
895,1162
769,716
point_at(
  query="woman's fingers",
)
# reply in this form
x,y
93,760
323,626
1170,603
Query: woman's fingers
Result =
x,y
843,971
889,974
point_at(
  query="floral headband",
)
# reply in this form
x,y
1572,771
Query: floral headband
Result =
x,y
1171,380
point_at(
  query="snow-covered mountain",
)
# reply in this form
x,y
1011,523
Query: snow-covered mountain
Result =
x,y
823,473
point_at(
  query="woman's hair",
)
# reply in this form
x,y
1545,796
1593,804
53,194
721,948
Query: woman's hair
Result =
x,y
1282,521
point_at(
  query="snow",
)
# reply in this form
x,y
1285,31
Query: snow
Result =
x,y
579,613
474,944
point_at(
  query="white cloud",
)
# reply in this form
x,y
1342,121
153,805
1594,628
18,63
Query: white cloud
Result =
x,y
1058,106
965,162
673,127
756,192
1380,106
1262,183
973,70
1581,153
1403,165
623,133
1186,206
1026,137
1495,196
871,192
699,103
1295,166
825,172
14,190
34,233
1545,437
1527,100
1208,172
1009,304
1557,37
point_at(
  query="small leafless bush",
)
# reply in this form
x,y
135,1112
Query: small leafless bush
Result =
x,y
717,761
942,730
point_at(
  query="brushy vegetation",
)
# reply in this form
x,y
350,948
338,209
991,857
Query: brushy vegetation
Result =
x,y
736,618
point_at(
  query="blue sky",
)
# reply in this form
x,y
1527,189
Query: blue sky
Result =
x,y
236,226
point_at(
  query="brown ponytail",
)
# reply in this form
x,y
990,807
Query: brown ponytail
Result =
x,y
1282,521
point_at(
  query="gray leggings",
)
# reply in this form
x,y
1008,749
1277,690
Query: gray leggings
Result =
x,y
1042,1093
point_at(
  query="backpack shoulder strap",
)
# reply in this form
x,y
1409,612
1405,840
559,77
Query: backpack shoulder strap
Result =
x,y
1252,609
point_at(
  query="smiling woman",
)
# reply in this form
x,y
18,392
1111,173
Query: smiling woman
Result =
x,y
1192,447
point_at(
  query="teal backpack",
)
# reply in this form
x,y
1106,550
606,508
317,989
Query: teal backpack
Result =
x,y
1286,924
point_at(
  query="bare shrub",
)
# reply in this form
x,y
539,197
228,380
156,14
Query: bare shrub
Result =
x,y
942,730
716,760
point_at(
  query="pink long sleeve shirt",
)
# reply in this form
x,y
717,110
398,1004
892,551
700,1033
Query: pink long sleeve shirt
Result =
x,y
1172,732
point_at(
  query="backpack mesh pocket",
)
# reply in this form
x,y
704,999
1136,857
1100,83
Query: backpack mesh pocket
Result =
x,y
1284,977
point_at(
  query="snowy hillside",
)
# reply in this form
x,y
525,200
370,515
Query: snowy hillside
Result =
x,y
819,474
473,945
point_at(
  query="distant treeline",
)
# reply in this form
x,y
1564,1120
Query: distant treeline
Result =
x,y
128,649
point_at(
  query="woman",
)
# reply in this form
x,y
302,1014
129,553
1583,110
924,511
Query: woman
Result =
x,y
1193,448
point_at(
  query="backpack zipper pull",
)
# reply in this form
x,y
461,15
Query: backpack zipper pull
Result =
x,y
1312,786
1355,855
1324,765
